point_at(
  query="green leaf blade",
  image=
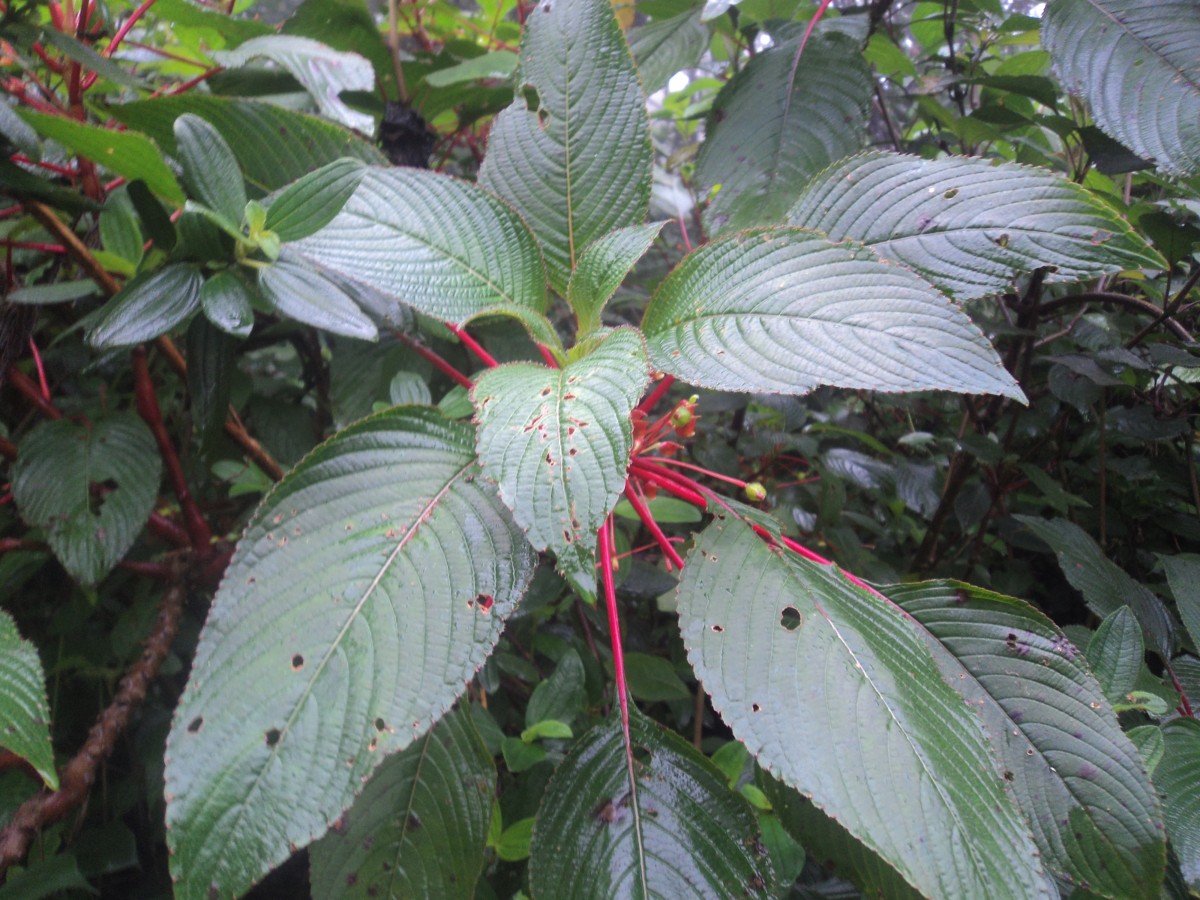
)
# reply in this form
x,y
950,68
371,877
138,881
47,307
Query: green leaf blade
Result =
x,y
446,247
1136,65
210,169
310,204
419,827
1076,776
968,225
23,706
307,296
787,649
348,622
783,310
679,832
557,441
602,267
769,134
65,471
148,306
579,164
1178,777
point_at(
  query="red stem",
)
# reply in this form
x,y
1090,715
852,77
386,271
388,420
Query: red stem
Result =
x,y
25,386
639,507
661,460
147,406
127,25
474,346
40,246
435,360
547,356
41,370
614,623
672,483
1184,706
168,530
657,394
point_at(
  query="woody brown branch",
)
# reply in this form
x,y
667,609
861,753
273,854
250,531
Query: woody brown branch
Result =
x,y
80,773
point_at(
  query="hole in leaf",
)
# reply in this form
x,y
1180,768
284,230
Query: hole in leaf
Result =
x,y
484,602
297,663
413,823
273,737
380,725
1002,241
755,707
532,101
195,724
97,491
790,619
951,194
718,629
643,755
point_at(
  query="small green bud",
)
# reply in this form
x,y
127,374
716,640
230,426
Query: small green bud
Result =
x,y
681,417
755,492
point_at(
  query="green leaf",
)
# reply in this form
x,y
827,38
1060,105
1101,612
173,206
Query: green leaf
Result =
x,y
572,153
23,707
602,267
323,71
547,728
1137,66
1076,776
771,130
211,365
1150,745
1105,586
520,756
61,292
666,46
127,153
676,831
210,169
273,146
1183,576
446,247
1115,653
419,827
311,203
302,294
652,678
225,300
148,306
562,696
826,840
788,649
86,57
119,230
783,310
233,29
557,441
1178,778
971,226
496,64
513,844
665,510
90,489
348,622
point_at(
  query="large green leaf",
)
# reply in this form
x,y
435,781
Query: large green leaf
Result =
x,y
601,268
309,297
1178,777
970,225
835,691
1183,575
572,153
273,146
23,707
557,441
1076,776
783,310
348,622
771,130
127,153
148,306
666,46
311,203
677,831
323,71
420,826
1116,653
446,247
89,488
1105,586
210,169
1138,66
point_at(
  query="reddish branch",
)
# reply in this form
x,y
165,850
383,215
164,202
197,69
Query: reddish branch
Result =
x,y
147,406
435,360
80,773
31,392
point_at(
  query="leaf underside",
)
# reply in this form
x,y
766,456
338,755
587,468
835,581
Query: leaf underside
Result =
x,y
1138,66
679,833
419,827
23,707
788,650
971,226
348,622
783,310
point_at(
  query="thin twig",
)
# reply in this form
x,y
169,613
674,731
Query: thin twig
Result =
x,y
80,773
